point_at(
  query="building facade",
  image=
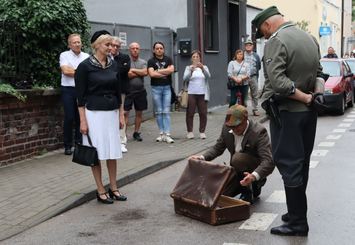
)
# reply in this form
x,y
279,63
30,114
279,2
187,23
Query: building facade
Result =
x,y
216,27
327,20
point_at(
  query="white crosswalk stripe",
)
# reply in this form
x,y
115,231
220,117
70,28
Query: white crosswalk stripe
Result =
x,y
344,125
349,120
313,164
231,243
326,144
277,197
339,130
333,136
319,153
258,221
352,115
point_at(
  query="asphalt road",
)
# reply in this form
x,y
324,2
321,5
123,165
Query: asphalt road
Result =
x,y
148,216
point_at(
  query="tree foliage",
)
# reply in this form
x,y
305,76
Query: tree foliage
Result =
x,y
34,32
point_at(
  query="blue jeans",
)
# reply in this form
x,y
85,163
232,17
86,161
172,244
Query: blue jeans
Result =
x,y
161,99
71,116
243,89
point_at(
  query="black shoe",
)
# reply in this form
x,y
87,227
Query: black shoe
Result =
x,y
290,230
119,197
108,200
247,196
68,151
285,217
137,136
256,185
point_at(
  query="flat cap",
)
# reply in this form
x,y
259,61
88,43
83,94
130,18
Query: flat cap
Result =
x,y
236,114
248,41
262,16
97,34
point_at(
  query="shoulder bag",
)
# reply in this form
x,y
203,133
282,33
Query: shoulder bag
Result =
x,y
183,96
231,83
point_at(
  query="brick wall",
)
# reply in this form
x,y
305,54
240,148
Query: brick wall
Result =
x,y
29,128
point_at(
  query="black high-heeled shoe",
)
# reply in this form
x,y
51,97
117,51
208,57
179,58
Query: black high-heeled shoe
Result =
x,y
119,197
108,199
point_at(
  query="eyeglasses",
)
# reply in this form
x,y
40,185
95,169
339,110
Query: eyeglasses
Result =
x,y
115,46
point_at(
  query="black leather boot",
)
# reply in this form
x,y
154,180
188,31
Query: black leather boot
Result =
x,y
297,213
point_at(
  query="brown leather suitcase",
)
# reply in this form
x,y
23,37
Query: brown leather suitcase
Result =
x,y
197,194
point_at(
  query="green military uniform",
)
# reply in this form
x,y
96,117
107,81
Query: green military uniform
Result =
x,y
291,60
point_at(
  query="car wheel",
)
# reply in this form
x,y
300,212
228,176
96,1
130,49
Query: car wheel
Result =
x,y
351,102
341,110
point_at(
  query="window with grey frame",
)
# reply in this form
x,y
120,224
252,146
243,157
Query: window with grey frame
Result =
x,y
211,35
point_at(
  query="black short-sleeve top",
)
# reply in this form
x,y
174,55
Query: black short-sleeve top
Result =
x,y
157,64
98,87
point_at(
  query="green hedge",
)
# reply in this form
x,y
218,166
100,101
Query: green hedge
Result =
x,y
39,30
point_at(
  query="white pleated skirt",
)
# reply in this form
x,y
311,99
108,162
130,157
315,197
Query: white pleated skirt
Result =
x,y
104,130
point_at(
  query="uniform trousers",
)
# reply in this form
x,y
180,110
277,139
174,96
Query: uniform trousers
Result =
x,y
292,145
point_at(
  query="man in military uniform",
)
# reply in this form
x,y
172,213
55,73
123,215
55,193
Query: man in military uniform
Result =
x,y
291,67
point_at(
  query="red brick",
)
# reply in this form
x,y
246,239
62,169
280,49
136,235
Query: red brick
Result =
x,y
4,157
8,142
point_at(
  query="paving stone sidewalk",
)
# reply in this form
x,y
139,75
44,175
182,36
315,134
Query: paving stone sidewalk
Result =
x,y
35,190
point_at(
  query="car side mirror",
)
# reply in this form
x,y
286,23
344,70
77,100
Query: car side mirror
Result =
x,y
349,75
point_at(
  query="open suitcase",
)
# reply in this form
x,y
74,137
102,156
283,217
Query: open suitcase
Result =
x,y
197,194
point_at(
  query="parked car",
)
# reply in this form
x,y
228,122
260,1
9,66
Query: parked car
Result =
x,y
339,91
351,63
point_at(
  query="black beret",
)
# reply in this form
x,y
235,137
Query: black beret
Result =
x,y
97,34
262,16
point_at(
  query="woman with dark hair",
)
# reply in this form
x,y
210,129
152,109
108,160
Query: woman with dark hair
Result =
x,y
238,73
99,101
160,68
196,77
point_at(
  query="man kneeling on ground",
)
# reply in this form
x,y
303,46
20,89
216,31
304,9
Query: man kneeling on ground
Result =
x,y
249,146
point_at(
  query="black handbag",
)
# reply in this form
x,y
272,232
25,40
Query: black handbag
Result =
x,y
85,155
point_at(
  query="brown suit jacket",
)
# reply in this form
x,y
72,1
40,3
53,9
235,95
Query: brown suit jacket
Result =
x,y
256,142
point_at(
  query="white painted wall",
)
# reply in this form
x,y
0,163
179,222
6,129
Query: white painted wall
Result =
x,y
251,13
167,13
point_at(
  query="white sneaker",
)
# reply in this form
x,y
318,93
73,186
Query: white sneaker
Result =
x,y
168,139
160,138
190,135
124,148
202,136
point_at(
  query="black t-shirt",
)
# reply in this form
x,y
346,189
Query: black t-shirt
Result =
x,y
98,88
160,64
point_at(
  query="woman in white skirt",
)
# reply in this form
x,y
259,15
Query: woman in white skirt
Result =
x,y
99,102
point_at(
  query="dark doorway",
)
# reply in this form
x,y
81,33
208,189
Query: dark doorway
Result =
x,y
234,32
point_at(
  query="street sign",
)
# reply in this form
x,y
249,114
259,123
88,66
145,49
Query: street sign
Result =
x,y
325,31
